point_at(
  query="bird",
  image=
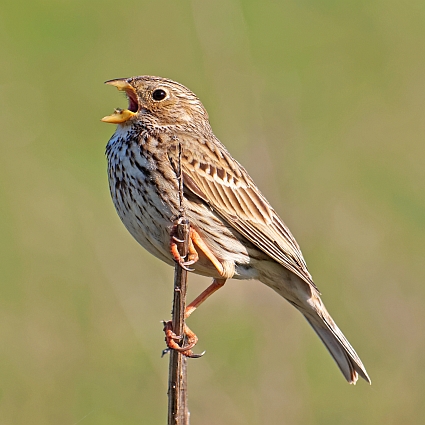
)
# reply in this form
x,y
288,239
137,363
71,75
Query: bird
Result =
x,y
164,138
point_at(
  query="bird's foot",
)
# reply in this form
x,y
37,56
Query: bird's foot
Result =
x,y
192,256
189,341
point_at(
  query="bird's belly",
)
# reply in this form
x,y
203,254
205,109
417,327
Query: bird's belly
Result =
x,y
140,202
147,219
150,221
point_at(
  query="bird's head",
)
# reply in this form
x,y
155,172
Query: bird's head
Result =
x,y
158,103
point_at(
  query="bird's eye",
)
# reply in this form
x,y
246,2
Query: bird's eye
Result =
x,y
159,94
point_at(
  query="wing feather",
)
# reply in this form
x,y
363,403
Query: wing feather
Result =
x,y
222,183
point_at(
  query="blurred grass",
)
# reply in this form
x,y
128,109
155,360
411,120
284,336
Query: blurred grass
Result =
x,y
322,101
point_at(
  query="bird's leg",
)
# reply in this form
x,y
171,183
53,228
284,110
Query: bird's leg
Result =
x,y
215,286
193,257
171,338
191,339
197,240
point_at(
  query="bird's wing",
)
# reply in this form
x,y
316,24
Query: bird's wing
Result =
x,y
211,173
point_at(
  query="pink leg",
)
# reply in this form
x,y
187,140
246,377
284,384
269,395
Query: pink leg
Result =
x,y
170,337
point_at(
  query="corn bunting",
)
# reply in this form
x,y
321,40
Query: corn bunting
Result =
x,y
234,231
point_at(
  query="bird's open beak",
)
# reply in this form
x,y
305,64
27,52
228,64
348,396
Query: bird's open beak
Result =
x,y
122,115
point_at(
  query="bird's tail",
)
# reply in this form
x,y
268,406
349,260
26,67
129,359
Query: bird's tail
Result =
x,y
306,298
337,344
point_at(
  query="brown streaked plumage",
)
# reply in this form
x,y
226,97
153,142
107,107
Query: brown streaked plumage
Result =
x,y
235,231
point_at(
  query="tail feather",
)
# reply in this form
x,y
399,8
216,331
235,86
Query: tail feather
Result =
x,y
306,299
338,346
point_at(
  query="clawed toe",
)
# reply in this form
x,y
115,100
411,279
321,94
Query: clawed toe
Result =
x,y
179,259
192,256
174,238
184,264
172,340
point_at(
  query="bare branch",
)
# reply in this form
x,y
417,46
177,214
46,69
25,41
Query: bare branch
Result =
x,y
178,413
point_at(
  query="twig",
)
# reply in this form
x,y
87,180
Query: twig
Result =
x,y
178,413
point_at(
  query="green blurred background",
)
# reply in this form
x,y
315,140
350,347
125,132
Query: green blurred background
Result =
x,y
322,101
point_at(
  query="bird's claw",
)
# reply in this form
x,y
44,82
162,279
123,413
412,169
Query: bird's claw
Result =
x,y
180,259
184,264
192,256
177,239
172,340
